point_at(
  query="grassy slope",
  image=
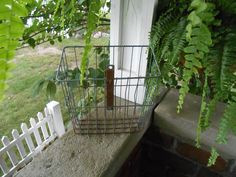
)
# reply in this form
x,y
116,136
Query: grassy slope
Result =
x,y
19,104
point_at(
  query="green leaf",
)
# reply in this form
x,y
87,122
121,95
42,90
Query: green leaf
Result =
x,y
213,157
4,53
189,31
95,73
103,64
190,49
194,18
98,50
31,42
104,56
203,34
52,42
202,47
18,9
38,87
5,12
197,64
4,29
196,4
51,89
59,39
81,1
94,8
76,74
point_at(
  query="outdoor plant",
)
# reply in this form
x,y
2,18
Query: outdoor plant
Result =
x,y
26,23
194,45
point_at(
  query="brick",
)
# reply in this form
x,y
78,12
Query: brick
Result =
x,y
204,172
175,174
161,157
200,156
232,166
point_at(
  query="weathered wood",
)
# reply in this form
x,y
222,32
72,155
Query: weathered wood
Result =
x,y
109,92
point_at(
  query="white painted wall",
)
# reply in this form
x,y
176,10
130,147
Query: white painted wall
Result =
x,y
131,22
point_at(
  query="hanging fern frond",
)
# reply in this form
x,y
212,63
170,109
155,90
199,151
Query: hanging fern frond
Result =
x,y
179,41
11,29
231,112
202,112
92,21
221,64
164,24
73,9
199,40
190,49
167,40
60,8
228,6
213,157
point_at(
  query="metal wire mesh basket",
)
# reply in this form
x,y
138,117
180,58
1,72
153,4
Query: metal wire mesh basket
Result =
x,y
113,97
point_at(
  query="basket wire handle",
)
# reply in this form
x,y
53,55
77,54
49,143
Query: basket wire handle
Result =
x,y
109,88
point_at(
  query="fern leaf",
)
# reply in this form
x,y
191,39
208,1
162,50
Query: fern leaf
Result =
x,y
11,29
223,131
178,41
199,40
202,112
164,24
209,111
228,6
213,157
221,66
92,21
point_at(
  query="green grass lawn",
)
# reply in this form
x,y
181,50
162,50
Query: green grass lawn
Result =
x,y
19,104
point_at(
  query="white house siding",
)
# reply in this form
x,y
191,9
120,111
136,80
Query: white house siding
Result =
x,y
131,22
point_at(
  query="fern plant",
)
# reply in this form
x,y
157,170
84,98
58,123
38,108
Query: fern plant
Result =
x,y
199,40
92,21
224,80
11,29
194,46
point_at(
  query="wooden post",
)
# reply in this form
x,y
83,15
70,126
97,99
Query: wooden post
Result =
x,y
55,111
109,92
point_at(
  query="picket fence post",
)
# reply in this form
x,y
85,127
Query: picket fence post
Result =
x,y
55,111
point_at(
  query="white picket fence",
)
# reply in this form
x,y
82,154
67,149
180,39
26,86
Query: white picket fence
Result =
x,y
17,153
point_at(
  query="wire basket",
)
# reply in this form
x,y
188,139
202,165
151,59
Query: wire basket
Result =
x,y
113,97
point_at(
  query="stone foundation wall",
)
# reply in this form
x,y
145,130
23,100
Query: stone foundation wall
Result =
x,y
162,155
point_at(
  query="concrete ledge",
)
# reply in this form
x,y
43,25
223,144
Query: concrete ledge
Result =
x,y
183,126
81,155
87,155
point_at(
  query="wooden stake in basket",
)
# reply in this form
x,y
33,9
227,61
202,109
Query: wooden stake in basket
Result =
x,y
109,91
